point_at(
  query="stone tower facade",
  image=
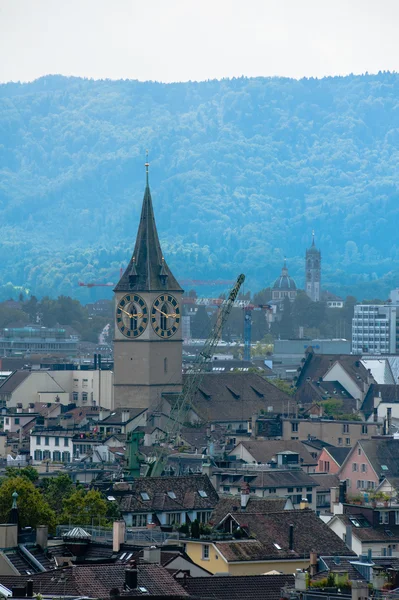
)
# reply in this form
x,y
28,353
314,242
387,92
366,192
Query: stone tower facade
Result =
x,y
148,332
313,272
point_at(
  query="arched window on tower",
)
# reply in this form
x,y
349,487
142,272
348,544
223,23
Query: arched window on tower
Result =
x,y
164,319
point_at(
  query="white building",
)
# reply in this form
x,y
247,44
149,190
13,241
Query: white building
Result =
x,y
66,445
83,388
374,328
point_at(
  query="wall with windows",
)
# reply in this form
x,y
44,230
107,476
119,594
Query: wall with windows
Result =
x,y
358,472
337,433
49,446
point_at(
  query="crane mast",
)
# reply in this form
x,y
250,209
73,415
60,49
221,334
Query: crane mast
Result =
x,y
194,376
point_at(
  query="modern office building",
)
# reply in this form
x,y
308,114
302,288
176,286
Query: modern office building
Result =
x,y
375,328
22,341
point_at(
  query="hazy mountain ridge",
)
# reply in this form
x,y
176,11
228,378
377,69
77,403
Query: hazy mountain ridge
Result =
x,y
241,172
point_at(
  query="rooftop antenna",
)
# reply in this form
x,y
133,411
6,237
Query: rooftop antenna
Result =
x,y
147,164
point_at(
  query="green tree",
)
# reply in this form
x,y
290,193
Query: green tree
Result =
x,y
56,490
282,385
85,508
33,509
29,472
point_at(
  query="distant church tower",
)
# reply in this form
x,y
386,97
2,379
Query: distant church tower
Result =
x,y
313,272
148,333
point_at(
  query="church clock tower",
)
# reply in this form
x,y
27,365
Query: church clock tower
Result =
x,y
313,272
148,338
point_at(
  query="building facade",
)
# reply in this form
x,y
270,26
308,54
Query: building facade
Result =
x,y
313,272
148,333
23,341
284,286
374,329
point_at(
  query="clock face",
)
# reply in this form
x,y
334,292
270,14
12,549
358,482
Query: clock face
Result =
x,y
165,315
131,315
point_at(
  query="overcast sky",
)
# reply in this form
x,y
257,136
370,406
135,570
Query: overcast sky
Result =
x,y
179,40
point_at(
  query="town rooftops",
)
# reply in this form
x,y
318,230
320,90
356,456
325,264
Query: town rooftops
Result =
x,y
236,397
117,416
149,494
338,454
232,504
269,537
363,529
383,455
96,581
271,478
325,481
387,393
263,451
256,587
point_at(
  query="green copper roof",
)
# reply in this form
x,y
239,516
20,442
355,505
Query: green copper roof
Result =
x,y
147,269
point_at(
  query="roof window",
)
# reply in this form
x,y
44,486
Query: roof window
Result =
x,y
172,495
277,546
203,494
144,496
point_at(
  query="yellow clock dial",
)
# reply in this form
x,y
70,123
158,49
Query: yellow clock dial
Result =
x,y
165,315
132,315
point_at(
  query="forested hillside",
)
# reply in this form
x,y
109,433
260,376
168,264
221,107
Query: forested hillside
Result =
x,y
241,172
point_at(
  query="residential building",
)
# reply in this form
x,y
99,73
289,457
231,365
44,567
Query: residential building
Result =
x,y
256,543
334,432
123,420
63,445
365,532
331,458
379,400
247,503
293,484
368,463
313,272
342,377
168,501
374,328
290,453
78,386
231,399
37,340
325,482
284,286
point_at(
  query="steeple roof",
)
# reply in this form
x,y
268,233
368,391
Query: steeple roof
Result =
x,y
312,249
147,269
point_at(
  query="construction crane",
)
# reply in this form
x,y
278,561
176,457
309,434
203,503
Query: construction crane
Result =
x,y
193,378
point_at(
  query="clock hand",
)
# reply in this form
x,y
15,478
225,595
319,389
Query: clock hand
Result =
x,y
162,313
126,313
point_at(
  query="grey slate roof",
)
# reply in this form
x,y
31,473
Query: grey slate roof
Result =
x,y
273,478
237,396
147,263
186,489
338,454
389,393
382,453
10,384
231,504
325,481
265,450
270,537
232,587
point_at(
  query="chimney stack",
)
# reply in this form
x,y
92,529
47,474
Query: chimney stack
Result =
x,y
118,535
389,419
29,588
244,496
131,576
360,590
95,362
342,492
152,555
304,504
375,415
313,564
348,536
42,536
291,537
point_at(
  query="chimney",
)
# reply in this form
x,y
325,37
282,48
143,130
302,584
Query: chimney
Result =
x,y
313,564
348,536
95,362
291,538
125,415
334,497
389,419
304,504
244,495
360,590
152,555
31,408
118,535
42,536
342,492
375,415
300,581
29,588
131,576
19,407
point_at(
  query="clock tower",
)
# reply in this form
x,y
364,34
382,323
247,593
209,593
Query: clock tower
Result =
x,y
148,337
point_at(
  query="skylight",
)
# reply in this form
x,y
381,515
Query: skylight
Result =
x,y
276,546
172,495
144,496
143,590
203,494
384,467
359,521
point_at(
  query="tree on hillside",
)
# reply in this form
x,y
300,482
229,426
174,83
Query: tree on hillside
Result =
x,y
33,510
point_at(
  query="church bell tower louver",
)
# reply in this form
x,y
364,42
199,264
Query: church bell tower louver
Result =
x,y
148,338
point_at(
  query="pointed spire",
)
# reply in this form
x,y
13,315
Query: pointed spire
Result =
x,y
147,269
284,270
147,164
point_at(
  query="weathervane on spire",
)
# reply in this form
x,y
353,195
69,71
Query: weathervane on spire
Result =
x,y
313,237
